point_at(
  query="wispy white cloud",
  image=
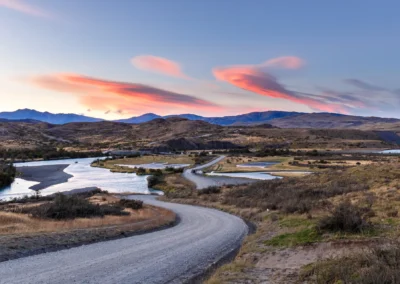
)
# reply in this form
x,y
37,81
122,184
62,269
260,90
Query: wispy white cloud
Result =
x,y
23,7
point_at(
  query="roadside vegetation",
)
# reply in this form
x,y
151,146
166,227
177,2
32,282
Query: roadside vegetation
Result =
x,y
40,223
68,207
299,161
375,265
339,210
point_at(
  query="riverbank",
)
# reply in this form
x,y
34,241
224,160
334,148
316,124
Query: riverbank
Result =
x,y
45,175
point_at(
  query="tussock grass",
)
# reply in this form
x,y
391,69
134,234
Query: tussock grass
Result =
x,y
300,195
346,217
145,217
377,265
302,237
16,223
71,207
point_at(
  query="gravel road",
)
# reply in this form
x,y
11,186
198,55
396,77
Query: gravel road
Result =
x,y
173,255
202,181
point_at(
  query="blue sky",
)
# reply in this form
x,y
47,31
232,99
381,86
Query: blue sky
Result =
x,y
120,58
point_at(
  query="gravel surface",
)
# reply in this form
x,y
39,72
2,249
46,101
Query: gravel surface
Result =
x,y
173,255
45,175
202,181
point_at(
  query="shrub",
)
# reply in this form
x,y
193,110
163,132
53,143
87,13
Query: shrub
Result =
x,y
375,266
141,171
392,213
131,203
153,181
174,170
156,172
346,218
209,190
296,195
71,207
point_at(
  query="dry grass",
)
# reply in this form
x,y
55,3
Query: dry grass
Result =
x,y
229,164
374,183
289,174
147,159
16,223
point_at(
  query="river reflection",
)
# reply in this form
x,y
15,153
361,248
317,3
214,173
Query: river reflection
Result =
x,y
83,176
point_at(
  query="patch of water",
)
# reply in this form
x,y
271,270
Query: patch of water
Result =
x,y
257,165
394,151
83,176
251,175
156,166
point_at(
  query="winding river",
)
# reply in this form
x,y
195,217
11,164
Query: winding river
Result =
x,y
83,176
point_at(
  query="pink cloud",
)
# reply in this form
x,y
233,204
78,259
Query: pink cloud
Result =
x,y
105,95
21,6
252,78
286,62
159,65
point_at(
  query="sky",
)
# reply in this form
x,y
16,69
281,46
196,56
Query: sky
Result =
x,y
117,58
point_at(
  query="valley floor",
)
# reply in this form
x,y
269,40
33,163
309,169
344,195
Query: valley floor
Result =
x,y
303,233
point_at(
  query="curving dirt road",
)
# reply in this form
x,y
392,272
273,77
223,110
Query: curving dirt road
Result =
x,y
173,255
202,181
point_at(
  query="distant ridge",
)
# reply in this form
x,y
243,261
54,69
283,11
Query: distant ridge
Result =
x,y
281,119
60,118
242,119
140,119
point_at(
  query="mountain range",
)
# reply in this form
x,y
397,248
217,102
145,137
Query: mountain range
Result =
x,y
281,119
63,118
242,119
59,118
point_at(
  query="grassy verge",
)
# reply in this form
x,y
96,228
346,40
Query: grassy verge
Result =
x,y
55,226
336,212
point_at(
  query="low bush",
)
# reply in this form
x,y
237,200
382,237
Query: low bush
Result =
x,y
300,195
174,170
203,158
374,266
71,207
346,218
131,203
154,180
155,172
209,190
141,171
175,192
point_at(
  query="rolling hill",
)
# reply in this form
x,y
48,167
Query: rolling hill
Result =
x,y
331,120
176,133
279,119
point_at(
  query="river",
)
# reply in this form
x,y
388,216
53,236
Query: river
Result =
x,y
83,176
395,151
